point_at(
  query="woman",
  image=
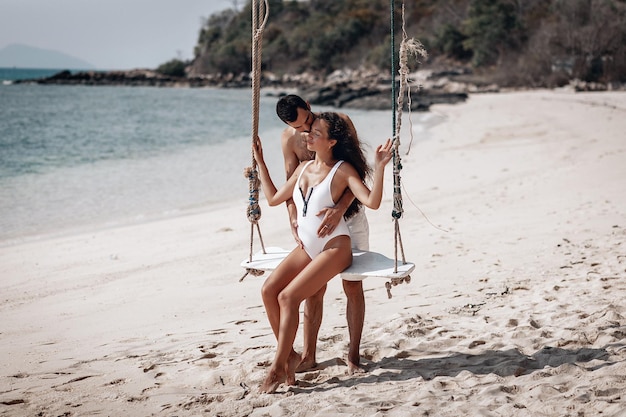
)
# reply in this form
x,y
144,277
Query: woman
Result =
x,y
339,164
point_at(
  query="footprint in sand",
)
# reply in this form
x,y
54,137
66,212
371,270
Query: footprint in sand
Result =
x,y
13,402
476,343
118,381
512,323
240,322
332,338
152,368
205,349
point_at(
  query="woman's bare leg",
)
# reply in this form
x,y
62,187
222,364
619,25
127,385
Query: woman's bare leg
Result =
x,y
335,258
286,271
276,282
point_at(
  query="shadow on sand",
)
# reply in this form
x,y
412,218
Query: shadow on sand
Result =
x,y
503,363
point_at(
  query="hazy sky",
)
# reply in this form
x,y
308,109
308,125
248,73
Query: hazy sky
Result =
x,y
110,34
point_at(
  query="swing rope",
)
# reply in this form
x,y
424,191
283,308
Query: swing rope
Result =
x,y
259,19
260,14
407,47
397,211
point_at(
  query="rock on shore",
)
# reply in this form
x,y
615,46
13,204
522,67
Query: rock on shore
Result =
x,y
363,89
346,88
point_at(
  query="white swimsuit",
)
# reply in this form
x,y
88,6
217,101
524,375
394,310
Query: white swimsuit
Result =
x,y
308,205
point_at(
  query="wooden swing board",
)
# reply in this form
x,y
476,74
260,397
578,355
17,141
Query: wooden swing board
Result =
x,y
364,264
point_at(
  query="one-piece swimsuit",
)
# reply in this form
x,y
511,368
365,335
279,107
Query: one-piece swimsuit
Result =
x,y
309,203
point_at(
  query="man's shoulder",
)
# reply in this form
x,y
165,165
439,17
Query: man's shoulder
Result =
x,y
289,138
288,134
289,146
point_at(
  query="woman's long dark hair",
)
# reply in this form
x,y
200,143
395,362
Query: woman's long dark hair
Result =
x,y
349,149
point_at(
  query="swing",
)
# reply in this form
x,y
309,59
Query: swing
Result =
x,y
364,263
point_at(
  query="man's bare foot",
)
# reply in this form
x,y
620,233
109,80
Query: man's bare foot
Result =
x,y
306,364
292,365
354,368
272,381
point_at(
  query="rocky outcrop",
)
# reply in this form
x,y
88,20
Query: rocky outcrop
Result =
x,y
361,89
141,78
135,78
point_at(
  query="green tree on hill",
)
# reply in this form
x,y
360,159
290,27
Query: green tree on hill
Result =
x,y
492,28
173,68
537,42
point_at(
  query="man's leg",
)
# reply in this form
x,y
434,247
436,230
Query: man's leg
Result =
x,y
313,311
355,314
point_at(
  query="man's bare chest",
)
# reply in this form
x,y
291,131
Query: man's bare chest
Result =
x,y
300,149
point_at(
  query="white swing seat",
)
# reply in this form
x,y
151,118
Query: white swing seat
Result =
x,y
364,264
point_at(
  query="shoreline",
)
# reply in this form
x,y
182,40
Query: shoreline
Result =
x,y
515,307
362,88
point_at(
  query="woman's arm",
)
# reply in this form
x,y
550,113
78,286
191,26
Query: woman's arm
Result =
x,y
273,195
371,198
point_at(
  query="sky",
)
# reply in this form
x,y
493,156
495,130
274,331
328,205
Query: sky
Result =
x,y
110,34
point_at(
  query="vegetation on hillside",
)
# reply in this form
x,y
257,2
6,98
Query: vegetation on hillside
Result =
x,y
515,42
173,68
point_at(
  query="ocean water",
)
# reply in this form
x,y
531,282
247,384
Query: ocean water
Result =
x,y
12,74
74,157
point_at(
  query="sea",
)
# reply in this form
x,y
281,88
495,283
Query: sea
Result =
x,y
79,157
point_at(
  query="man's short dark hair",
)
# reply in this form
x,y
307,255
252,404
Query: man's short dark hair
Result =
x,y
287,107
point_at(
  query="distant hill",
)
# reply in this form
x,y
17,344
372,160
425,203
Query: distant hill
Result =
x,y
24,56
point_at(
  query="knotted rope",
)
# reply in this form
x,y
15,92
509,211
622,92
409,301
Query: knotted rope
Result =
x,y
407,47
260,11
397,211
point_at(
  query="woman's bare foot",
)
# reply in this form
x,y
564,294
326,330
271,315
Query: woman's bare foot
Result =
x,y
306,364
292,365
272,381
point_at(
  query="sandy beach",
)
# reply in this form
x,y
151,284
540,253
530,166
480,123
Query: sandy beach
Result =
x,y
516,221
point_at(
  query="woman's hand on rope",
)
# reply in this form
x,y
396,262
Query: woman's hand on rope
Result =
x,y
257,150
383,154
332,217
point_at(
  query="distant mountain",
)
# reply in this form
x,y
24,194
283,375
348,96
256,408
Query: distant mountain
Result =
x,y
24,56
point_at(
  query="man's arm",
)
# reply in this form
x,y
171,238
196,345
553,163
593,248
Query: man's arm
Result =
x,y
291,163
333,215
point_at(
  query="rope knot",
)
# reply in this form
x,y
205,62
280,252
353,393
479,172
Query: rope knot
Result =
x,y
254,210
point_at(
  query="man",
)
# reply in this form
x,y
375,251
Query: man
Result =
x,y
297,114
